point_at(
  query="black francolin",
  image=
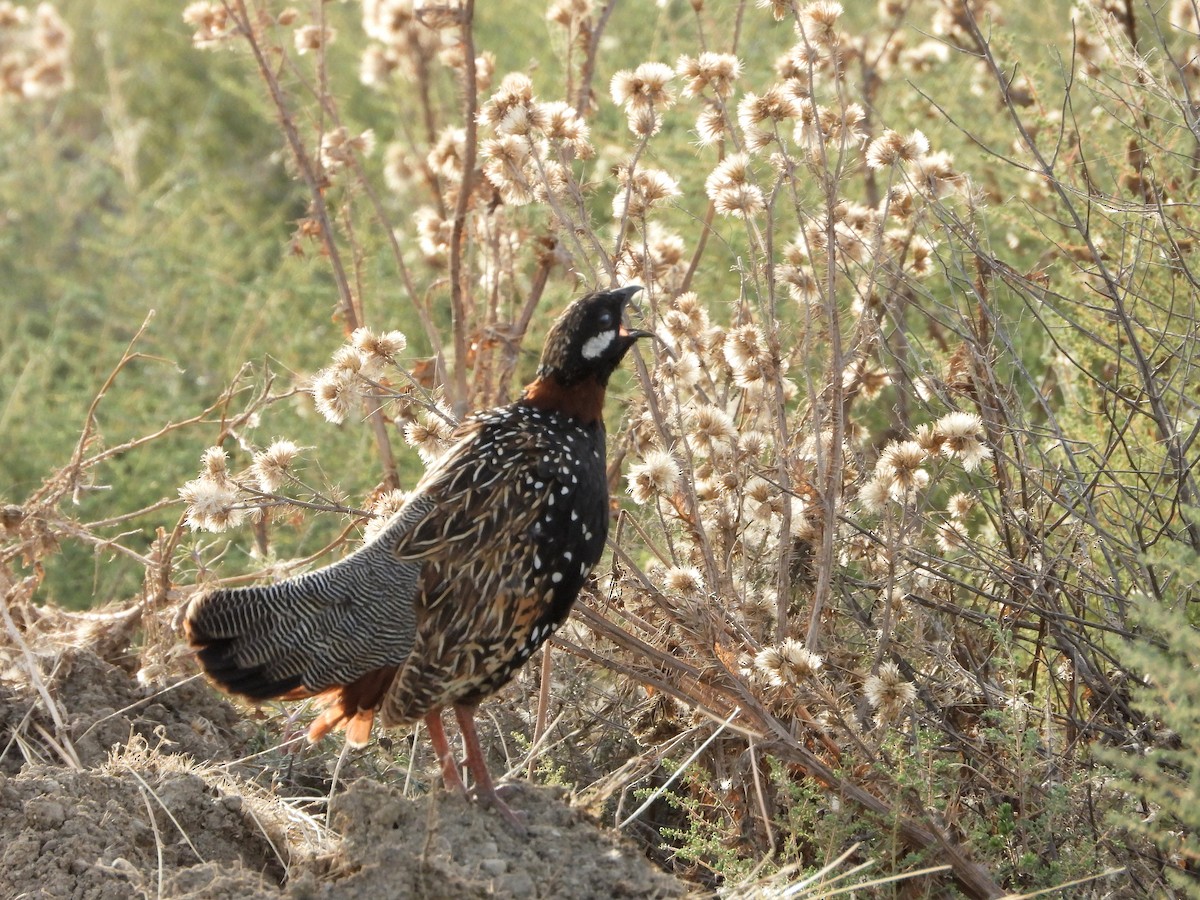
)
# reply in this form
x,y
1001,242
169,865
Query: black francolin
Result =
x,y
470,577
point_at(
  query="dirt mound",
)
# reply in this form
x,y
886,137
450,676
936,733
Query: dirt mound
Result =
x,y
100,705
110,788
112,833
445,846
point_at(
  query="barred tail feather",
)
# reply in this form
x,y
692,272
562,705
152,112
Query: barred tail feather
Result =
x,y
240,647
338,634
249,647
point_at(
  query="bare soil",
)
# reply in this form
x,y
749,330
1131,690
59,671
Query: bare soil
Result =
x,y
126,789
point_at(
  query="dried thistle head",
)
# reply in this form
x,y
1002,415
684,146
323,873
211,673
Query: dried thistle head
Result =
x,y
561,122
730,189
569,13
211,505
888,693
313,38
829,129
272,466
388,21
747,353
1185,17
334,391
935,176
214,464
874,496
505,167
961,438
818,22
761,117
801,283
554,180
682,368
338,147
676,328
433,235
787,663
645,94
657,475
919,258
353,361
753,444
951,537
438,15
638,193
378,348
684,581
900,466
384,508
780,9
959,506
657,257
647,85
211,23
892,148
430,434
213,499
712,72
510,110
447,154
865,378
709,424
711,125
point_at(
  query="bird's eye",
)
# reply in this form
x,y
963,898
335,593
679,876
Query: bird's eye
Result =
x,y
606,318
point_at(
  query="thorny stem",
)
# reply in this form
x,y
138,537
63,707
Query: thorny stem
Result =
x,y
303,163
428,115
584,102
783,579
701,244
570,228
457,301
326,103
89,426
516,336
351,316
629,172
689,489
829,460
543,704
410,287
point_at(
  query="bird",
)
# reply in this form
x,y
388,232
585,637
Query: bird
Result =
x,y
475,571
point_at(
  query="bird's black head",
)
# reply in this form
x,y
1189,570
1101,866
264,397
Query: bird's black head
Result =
x,y
589,340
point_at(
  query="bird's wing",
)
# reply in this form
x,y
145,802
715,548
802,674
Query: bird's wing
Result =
x,y
337,624
503,564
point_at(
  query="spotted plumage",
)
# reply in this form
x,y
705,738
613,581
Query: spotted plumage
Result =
x,y
471,576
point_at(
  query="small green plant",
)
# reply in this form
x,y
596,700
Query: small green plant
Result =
x,y
1162,759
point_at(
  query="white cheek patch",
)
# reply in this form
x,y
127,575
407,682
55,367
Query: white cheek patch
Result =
x,y
596,345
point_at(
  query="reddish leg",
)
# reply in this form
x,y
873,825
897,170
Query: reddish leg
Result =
x,y
437,737
485,789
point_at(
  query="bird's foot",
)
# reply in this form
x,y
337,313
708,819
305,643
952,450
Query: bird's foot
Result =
x,y
507,791
494,798
485,789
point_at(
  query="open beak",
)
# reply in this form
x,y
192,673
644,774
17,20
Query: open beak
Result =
x,y
626,294
634,333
